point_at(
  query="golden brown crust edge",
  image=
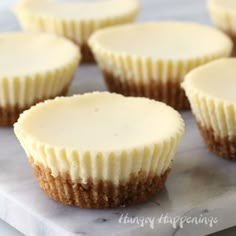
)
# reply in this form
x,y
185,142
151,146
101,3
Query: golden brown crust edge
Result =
x,y
98,193
170,92
87,55
233,38
223,147
10,114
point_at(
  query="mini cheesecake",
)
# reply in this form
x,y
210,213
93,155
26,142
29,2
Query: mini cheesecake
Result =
x,y
151,59
100,150
33,67
223,15
75,20
211,92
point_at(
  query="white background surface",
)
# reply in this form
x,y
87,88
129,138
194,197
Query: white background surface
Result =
x,y
152,10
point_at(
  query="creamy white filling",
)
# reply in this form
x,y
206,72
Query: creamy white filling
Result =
x,y
80,10
215,79
101,122
162,40
101,135
34,67
210,89
30,53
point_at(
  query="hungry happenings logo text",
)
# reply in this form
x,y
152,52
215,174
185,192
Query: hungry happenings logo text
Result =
x,y
174,221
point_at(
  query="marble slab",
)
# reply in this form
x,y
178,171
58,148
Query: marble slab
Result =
x,y
200,184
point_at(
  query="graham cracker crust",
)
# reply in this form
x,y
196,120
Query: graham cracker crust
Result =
x,y
223,147
87,55
10,114
98,193
234,47
170,92
233,38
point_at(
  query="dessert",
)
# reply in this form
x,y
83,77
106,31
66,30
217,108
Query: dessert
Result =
x,y
34,67
76,21
223,15
151,59
211,92
112,150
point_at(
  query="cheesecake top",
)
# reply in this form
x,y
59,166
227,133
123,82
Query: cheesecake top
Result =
x,y
215,79
226,4
100,121
162,40
86,10
24,54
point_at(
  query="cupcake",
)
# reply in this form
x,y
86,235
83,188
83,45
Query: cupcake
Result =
x,y
151,59
211,92
76,21
223,15
34,67
109,153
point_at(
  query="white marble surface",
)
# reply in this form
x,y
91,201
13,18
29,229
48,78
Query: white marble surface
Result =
x,y
200,182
